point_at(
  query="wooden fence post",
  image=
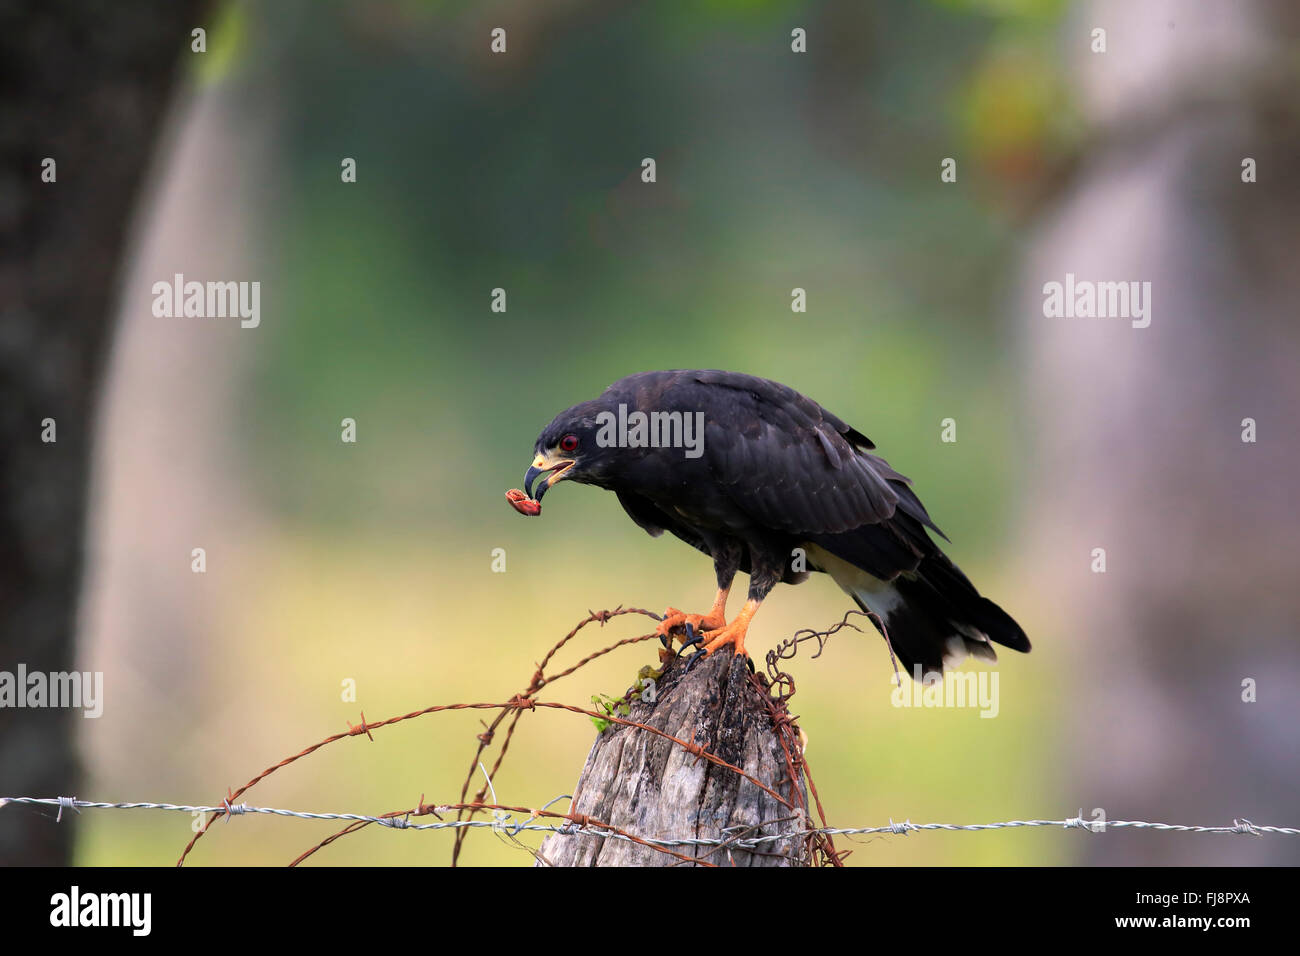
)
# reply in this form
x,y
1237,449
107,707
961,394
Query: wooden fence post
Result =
x,y
658,790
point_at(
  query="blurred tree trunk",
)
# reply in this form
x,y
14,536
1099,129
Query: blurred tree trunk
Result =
x,y
1142,448
86,85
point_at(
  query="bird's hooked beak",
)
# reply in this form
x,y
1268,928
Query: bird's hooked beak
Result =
x,y
541,465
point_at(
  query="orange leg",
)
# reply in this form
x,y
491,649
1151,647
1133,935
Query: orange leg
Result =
x,y
716,618
733,633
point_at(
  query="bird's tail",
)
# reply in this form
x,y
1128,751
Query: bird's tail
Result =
x,y
933,617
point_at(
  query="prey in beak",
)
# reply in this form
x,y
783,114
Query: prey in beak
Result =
x,y
557,454
554,468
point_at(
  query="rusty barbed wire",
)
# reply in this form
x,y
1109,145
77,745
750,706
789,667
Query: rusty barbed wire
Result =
x,y
775,689
515,702
775,692
788,648
513,708
538,681
820,846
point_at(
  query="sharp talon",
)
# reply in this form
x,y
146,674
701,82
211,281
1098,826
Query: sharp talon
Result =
x,y
694,638
695,659
675,623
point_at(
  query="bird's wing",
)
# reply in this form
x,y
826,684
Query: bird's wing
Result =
x,y
643,511
651,518
792,465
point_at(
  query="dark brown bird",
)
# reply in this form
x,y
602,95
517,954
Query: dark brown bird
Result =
x,y
766,481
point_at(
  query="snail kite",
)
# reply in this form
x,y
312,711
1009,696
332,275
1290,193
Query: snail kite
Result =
x,y
766,481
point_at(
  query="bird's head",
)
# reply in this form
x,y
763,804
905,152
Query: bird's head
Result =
x,y
567,449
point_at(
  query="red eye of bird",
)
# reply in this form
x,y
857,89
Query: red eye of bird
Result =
x,y
569,442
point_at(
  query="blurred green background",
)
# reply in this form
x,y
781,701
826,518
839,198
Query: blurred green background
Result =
x,y
372,561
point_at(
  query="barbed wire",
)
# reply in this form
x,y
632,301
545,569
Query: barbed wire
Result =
x,y
815,844
512,828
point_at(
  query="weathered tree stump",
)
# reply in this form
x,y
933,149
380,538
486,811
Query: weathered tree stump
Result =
x,y
656,789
